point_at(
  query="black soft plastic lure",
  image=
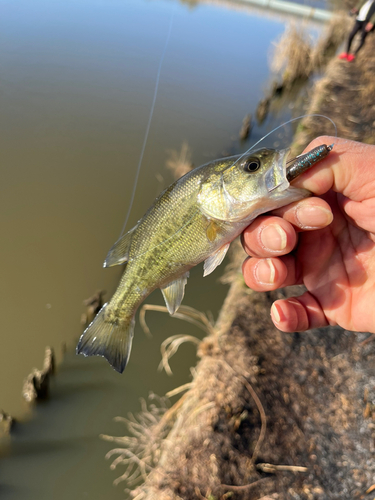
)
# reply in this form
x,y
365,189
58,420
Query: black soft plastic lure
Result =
x,y
303,162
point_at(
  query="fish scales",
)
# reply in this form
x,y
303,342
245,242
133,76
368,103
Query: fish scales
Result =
x,y
161,246
193,220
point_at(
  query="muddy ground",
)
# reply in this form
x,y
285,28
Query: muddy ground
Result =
x,y
271,415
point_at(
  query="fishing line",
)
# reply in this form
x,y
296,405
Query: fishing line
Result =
x,y
282,125
294,120
148,124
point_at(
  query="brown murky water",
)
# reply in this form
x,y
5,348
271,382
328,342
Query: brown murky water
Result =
x,y
76,85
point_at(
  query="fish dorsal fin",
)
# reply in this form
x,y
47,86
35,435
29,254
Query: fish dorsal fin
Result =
x,y
214,260
119,253
173,293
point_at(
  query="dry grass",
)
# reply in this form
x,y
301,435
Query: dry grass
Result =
x,y
170,346
186,313
296,56
140,449
292,54
179,162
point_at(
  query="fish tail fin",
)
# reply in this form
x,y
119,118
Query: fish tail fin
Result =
x,y
110,339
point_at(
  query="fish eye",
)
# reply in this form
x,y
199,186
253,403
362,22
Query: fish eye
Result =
x,y
251,165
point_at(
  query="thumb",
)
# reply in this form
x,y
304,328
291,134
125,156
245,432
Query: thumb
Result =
x,y
349,169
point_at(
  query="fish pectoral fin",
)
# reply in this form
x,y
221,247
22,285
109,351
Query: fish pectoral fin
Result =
x,y
119,253
214,260
212,230
174,293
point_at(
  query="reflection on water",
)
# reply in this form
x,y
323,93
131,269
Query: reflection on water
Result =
x,y
77,80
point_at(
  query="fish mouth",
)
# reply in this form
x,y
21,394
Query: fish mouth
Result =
x,y
276,177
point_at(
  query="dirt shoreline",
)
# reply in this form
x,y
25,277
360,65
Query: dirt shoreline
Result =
x,y
270,415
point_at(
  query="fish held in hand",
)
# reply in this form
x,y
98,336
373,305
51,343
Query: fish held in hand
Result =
x,y
192,221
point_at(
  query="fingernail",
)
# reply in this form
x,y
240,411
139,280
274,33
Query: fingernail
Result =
x,y
275,314
265,272
310,217
273,237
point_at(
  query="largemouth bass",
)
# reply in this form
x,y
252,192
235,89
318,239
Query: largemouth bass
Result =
x,y
193,220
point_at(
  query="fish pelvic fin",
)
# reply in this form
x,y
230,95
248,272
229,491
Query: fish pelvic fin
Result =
x,y
110,339
119,253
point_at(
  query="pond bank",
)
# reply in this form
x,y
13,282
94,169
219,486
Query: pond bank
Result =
x,y
270,415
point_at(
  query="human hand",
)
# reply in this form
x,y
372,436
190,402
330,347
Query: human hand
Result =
x,y
369,27
333,258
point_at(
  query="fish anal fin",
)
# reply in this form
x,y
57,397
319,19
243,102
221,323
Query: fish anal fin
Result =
x,y
214,260
119,253
112,340
173,293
